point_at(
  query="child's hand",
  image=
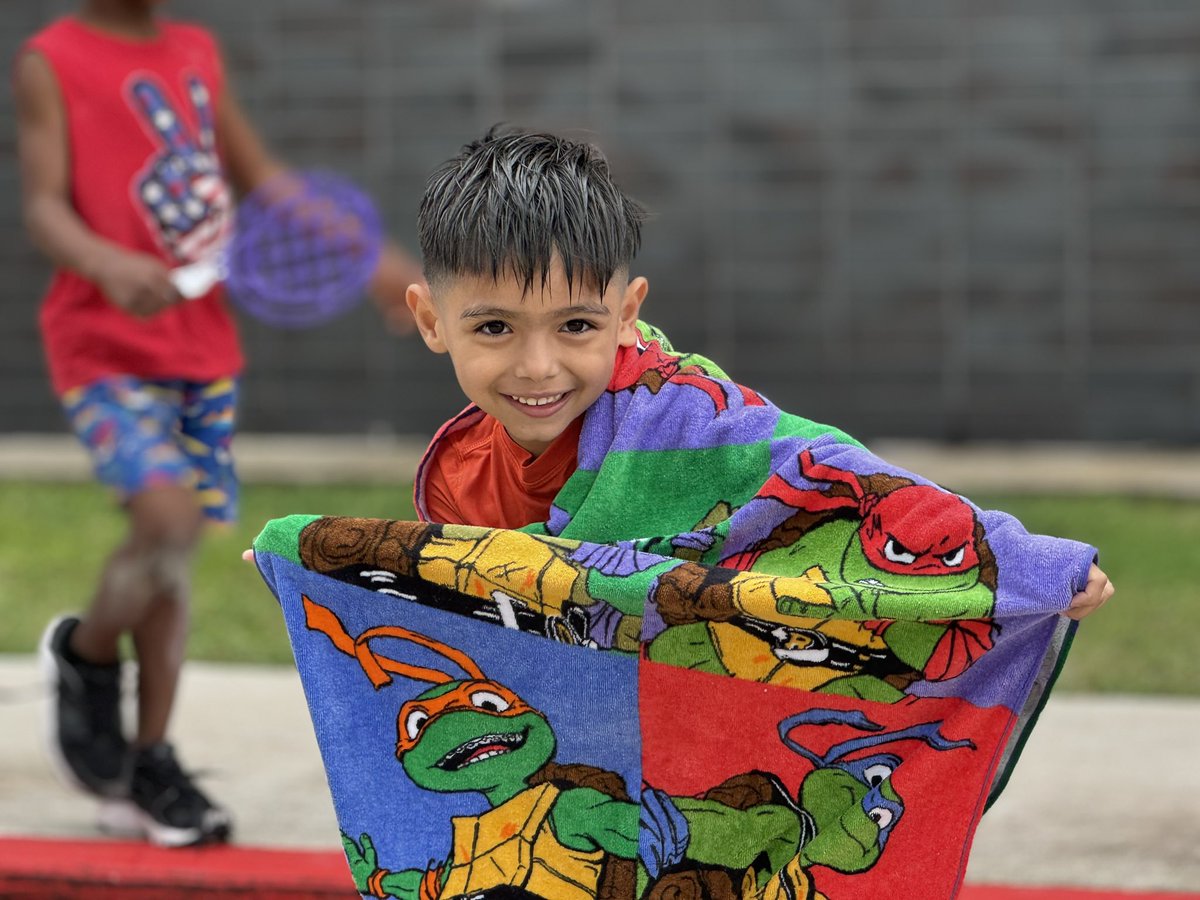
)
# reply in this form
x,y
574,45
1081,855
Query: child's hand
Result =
x,y
138,283
1094,594
395,272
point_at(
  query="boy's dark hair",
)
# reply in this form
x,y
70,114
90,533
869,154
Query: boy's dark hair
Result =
x,y
511,200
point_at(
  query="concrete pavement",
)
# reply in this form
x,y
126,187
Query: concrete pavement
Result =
x,y
1036,467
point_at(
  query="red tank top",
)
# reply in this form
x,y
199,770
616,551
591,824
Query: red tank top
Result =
x,y
144,173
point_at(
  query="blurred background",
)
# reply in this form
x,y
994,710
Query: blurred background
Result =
x,y
957,220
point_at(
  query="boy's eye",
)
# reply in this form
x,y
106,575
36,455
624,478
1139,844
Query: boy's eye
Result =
x,y
495,327
577,326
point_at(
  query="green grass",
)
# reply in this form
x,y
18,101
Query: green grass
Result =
x,y
54,537
1144,639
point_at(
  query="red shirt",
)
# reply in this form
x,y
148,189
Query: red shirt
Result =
x,y
475,474
144,173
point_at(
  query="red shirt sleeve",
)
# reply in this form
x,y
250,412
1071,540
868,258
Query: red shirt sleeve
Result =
x,y
439,494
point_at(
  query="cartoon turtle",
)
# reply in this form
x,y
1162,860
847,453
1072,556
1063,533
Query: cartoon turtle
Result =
x,y
551,830
871,547
846,809
896,539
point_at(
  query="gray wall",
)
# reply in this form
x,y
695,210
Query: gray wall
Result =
x,y
956,219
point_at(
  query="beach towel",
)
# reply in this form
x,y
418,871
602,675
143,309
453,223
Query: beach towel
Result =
x,y
743,658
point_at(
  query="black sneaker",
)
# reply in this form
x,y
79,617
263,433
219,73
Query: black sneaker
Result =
x,y
164,805
83,723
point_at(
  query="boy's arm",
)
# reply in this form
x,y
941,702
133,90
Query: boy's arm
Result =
x,y
137,282
389,285
250,163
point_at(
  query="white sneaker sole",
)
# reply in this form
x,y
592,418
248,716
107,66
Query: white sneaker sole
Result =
x,y
123,818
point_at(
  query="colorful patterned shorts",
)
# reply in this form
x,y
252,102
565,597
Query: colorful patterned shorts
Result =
x,y
146,434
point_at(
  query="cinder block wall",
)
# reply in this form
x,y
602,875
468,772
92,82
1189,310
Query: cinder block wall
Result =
x,y
954,219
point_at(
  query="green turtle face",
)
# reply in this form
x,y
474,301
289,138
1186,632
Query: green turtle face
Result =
x,y
470,750
857,569
852,818
888,595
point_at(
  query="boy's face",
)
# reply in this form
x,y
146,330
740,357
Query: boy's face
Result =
x,y
534,361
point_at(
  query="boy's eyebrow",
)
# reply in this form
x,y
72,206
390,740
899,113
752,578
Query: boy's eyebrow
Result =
x,y
590,309
478,312
500,312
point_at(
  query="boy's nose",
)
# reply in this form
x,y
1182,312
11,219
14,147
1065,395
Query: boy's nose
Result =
x,y
537,361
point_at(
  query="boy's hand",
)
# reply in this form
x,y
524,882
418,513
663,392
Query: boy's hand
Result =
x,y
388,286
1094,594
138,283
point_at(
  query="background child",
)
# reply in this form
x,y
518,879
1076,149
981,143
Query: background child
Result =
x,y
527,243
129,141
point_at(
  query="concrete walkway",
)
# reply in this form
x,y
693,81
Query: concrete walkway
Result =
x,y
1035,467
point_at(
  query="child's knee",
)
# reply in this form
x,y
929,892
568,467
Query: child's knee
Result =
x,y
152,570
170,570
166,519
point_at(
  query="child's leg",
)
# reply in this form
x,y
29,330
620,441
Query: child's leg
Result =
x,y
164,803
206,429
144,443
164,527
131,428
144,592
128,428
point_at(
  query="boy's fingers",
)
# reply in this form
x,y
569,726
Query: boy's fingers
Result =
x,y
1096,593
248,556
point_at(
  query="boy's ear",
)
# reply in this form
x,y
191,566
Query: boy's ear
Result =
x,y
425,314
631,305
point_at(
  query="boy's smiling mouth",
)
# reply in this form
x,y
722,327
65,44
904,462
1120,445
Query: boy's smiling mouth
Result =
x,y
538,401
539,404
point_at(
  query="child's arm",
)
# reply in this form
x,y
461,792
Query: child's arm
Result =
x,y
137,282
389,285
244,155
250,163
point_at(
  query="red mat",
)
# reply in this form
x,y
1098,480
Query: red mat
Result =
x,y
986,892
121,870
36,869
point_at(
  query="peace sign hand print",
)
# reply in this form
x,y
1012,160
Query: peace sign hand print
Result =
x,y
181,188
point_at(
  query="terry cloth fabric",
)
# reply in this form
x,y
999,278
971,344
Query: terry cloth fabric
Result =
x,y
744,658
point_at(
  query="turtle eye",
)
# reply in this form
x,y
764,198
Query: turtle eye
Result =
x,y
877,774
414,722
881,816
897,552
489,700
950,560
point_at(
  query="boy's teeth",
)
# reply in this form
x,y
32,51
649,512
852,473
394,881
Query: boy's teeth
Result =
x,y
538,401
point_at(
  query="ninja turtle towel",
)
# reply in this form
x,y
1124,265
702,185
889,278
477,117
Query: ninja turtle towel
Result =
x,y
743,658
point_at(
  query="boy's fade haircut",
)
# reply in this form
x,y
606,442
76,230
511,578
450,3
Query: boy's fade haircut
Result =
x,y
511,201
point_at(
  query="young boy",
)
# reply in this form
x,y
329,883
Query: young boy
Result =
x,y
127,134
527,245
